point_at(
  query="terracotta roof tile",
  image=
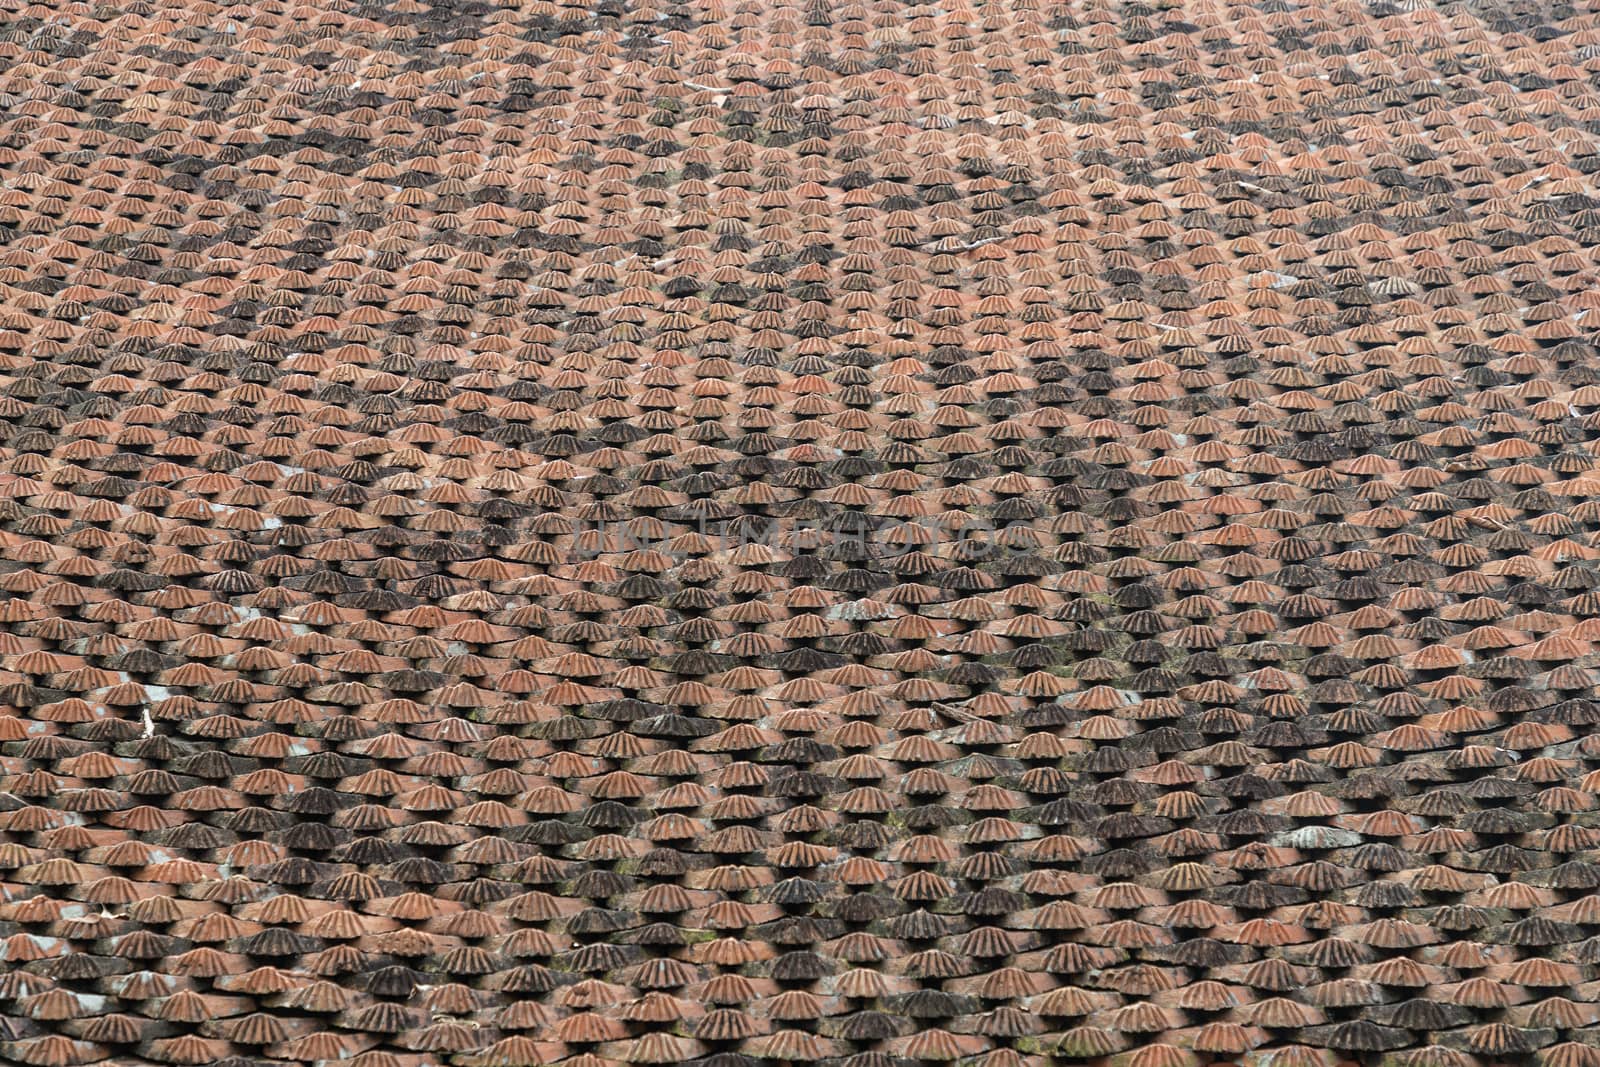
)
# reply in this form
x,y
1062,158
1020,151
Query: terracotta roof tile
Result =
x,y
872,533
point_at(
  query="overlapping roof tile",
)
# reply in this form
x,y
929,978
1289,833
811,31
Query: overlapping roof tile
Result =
x,y
1002,532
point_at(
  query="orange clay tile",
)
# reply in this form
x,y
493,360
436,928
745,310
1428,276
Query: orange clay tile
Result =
x,y
1007,533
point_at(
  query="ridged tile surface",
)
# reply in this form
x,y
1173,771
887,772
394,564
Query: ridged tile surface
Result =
x,y
750,534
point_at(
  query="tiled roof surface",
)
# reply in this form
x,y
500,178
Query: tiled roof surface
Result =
x,y
1013,533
